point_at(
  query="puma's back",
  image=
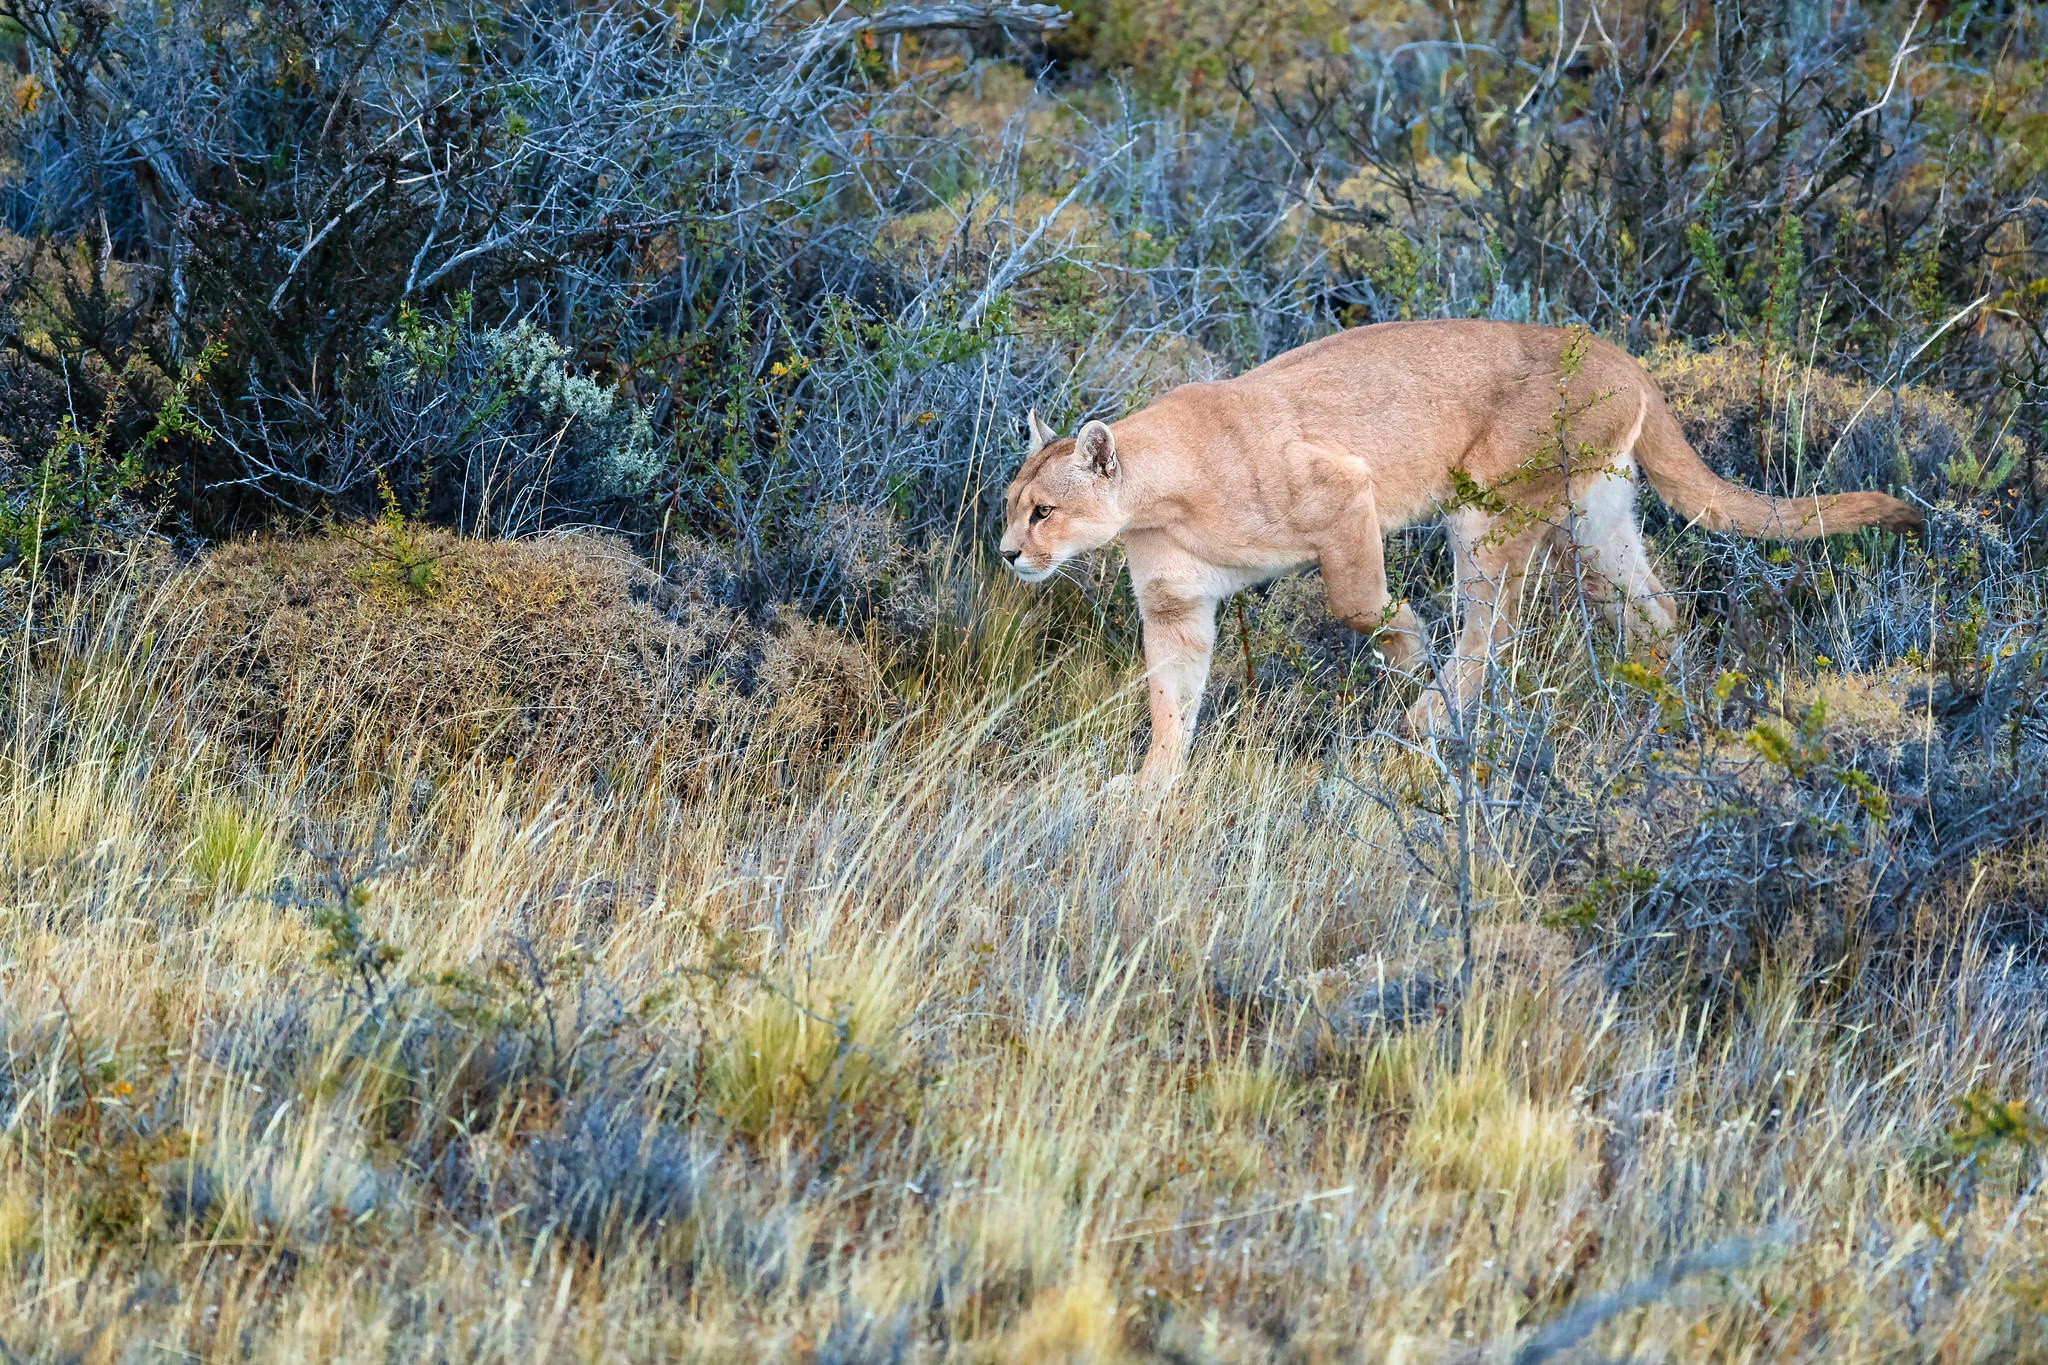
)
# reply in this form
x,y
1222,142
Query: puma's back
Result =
x,y
1432,408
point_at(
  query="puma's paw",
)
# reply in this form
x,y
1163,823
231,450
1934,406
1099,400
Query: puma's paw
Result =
x,y
1401,653
1400,641
1150,780
1133,794
1661,656
1427,716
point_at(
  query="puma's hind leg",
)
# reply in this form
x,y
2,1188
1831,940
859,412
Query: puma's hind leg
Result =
x,y
1492,555
1609,544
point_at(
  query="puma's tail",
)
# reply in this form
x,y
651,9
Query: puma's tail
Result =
x,y
1696,493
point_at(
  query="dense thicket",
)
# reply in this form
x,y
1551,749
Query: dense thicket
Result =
x,y
722,267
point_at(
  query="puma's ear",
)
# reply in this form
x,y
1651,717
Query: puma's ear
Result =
x,y
1041,437
1097,447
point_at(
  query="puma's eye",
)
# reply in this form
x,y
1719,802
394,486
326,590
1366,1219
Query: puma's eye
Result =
x,y
1040,512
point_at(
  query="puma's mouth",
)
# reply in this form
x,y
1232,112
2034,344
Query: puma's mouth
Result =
x,y
1031,573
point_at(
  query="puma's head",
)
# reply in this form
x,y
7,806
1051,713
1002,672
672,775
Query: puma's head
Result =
x,y
1064,501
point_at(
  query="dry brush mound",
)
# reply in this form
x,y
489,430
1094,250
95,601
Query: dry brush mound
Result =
x,y
370,642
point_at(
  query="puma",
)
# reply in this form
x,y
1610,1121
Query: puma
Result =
x,y
1526,439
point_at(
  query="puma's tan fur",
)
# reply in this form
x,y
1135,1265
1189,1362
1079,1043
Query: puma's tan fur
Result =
x,y
1314,456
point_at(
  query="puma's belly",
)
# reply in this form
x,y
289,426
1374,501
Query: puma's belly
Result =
x,y
1262,568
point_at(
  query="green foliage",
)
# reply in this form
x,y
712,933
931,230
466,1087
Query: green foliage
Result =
x,y
1979,478
353,952
349,949
1726,685
1984,1123
1959,652
1670,702
398,560
1802,754
520,995
897,346
1076,310
1622,885
1799,751
1398,273
422,342
79,492
1713,270
1573,355
1467,491
1719,281
1781,312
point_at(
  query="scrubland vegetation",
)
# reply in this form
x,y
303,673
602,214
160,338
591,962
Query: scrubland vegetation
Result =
x,y
531,829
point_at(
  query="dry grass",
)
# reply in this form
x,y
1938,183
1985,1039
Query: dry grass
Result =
x,y
334,1036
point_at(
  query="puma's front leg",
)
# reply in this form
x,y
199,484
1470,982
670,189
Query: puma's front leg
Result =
x,y
1355,583
1180,633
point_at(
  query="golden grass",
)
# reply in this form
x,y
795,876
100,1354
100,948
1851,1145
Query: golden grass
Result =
x,y
918,1048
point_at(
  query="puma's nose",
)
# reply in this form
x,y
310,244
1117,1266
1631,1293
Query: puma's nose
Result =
x,y
1010,556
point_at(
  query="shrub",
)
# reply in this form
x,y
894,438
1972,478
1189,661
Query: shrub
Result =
x,y
487,430
670,194
563,647
1669,179
609,1174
